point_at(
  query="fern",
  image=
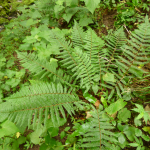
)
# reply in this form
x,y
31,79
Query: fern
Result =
x,y
40,99
98,135
84,62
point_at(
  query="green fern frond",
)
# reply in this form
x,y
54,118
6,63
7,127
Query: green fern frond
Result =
x,y
76,60
114,42
133,53
44,69
93,46
78,35
40,100
96,132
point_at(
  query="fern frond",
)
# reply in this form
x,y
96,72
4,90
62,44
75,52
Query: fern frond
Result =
x,y
134,52
78,35
43,68
96,132
41,100
93,46
76,60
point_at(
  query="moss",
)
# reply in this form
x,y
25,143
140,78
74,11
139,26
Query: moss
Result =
x,y
9,8
3,20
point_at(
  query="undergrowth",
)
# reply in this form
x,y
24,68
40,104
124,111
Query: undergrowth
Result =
x,y
50,75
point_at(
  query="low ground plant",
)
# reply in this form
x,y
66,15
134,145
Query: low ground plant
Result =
x,y
64,87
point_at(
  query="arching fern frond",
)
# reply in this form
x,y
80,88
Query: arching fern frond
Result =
x,y
96,132
125,65
41,100
83,69
43,68
78,35
74,58
93,46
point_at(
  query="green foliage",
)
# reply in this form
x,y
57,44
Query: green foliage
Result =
x,y
8,8
96,132
142,112
48,74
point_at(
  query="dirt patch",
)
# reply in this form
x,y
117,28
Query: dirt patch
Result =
x,y
109,19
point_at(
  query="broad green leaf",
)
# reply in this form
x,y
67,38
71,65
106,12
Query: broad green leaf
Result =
x,y
109,77
146,129
120,127
43,147
1,75
36,14
124,114
121,138
127,96
28,22
92,5
114,107
137,122
57,9
70,139
138,132
20,74
69,13
53,49
21,140
53,131
67,128
53,64
5,87
35,31
95,88
130,133
133,144
10,63
59,2
85,21
104,102
145,137
73,3
35,136
29,39
62,134
10,73
25,46
90,98
13,82
146,117
7,128
31,22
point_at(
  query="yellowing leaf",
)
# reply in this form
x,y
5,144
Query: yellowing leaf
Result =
x,y
18,134
5,77
34,48
147,129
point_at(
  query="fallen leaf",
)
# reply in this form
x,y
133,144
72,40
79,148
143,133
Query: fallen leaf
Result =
x,y
18,134
114,115
97,103
88,115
